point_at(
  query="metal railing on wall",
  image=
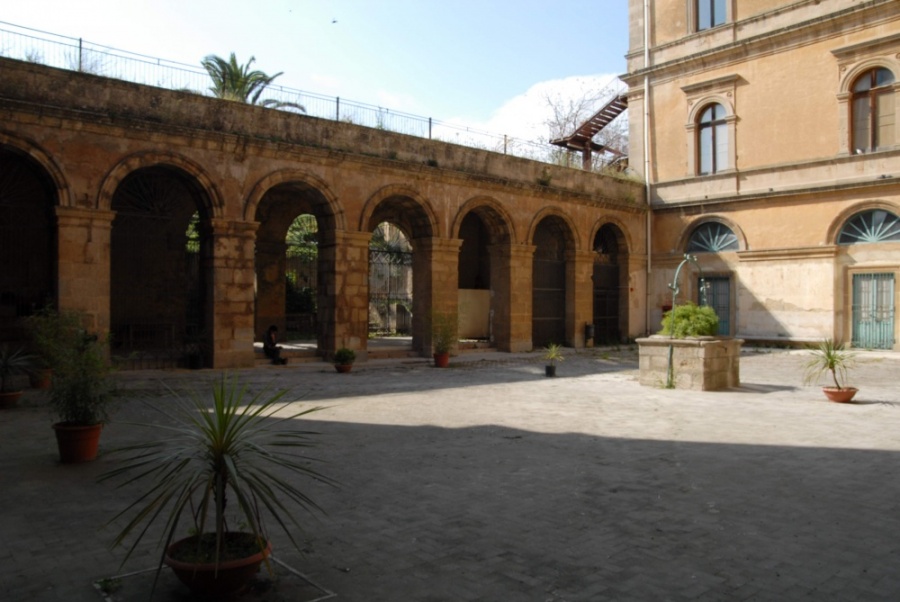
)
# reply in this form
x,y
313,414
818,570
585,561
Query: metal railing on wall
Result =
x,y
76,54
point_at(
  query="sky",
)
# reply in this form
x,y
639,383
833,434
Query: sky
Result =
x,y
486,63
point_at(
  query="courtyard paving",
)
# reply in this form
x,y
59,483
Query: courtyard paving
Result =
x,y
488,481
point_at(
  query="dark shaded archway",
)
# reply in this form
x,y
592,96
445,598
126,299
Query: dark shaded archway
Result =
x,y
610,285
27,241
484,287
160,269
550,282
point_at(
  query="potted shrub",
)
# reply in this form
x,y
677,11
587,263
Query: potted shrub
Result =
x,y
223,459
443,336
343,359
80,391
833,358
553,354
690,320
14,361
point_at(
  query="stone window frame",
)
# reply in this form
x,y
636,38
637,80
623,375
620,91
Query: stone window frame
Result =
x,y
689,229
852,62
698,97
693,15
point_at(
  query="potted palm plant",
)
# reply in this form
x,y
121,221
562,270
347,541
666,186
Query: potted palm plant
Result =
x,y
80,392
443,337
553,354
343,359
216,463
833,358
14,361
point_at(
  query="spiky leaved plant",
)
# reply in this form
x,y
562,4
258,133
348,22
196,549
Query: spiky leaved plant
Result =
x,y
228,448
830,357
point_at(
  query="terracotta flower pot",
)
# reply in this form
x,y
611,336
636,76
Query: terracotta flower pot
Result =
x,y
41,379
77,443
343,368
842,395
8,399
441,360
211,580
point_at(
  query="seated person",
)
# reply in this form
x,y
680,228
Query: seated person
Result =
x,y
273,351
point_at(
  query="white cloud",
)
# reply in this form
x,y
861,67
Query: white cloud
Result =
x,y
525,116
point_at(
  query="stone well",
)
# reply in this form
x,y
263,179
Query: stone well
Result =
x,y
699,363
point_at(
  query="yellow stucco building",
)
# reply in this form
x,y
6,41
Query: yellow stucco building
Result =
x,y
768,137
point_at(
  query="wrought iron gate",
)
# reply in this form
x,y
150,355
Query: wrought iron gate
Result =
x,y
390,292
873,311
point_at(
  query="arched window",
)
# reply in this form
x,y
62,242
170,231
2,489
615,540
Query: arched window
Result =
x,y
876,225
712,237
873,113
709,13
712,140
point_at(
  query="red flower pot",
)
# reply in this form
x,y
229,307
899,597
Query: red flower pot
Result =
x,y
211,580
842,395
343,368
441,360
77,443
8,399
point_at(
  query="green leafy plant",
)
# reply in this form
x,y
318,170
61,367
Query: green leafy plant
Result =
x,y
344,356
690,320
444,329
553,353
833,358
14,361
80,391
216,461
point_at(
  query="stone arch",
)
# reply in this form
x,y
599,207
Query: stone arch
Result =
x,y
46,162
837,224
402,205
700,105
287,176
215,205
850,75
685,236
30,196
162,257
275,203
573,240
495,216
610,281
626,242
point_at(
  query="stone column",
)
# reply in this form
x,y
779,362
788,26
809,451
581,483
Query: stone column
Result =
x,y
83,263
511,276
435,285
637,298
580,295
343,294
269,268
230,274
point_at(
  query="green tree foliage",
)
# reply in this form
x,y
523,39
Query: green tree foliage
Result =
x,y
237,82
689,320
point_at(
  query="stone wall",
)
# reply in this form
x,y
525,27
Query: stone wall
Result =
x,y
698,363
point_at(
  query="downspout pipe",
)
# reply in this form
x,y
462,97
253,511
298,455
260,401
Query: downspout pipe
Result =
x,y
646,119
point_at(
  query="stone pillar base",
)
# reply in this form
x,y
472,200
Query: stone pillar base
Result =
x,y
698,363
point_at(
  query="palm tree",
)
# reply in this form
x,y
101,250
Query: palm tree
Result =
x,y
233,81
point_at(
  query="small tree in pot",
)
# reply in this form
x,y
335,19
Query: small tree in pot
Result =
x,y
343,359
832,358
80,390
224,461
553,354
443,336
